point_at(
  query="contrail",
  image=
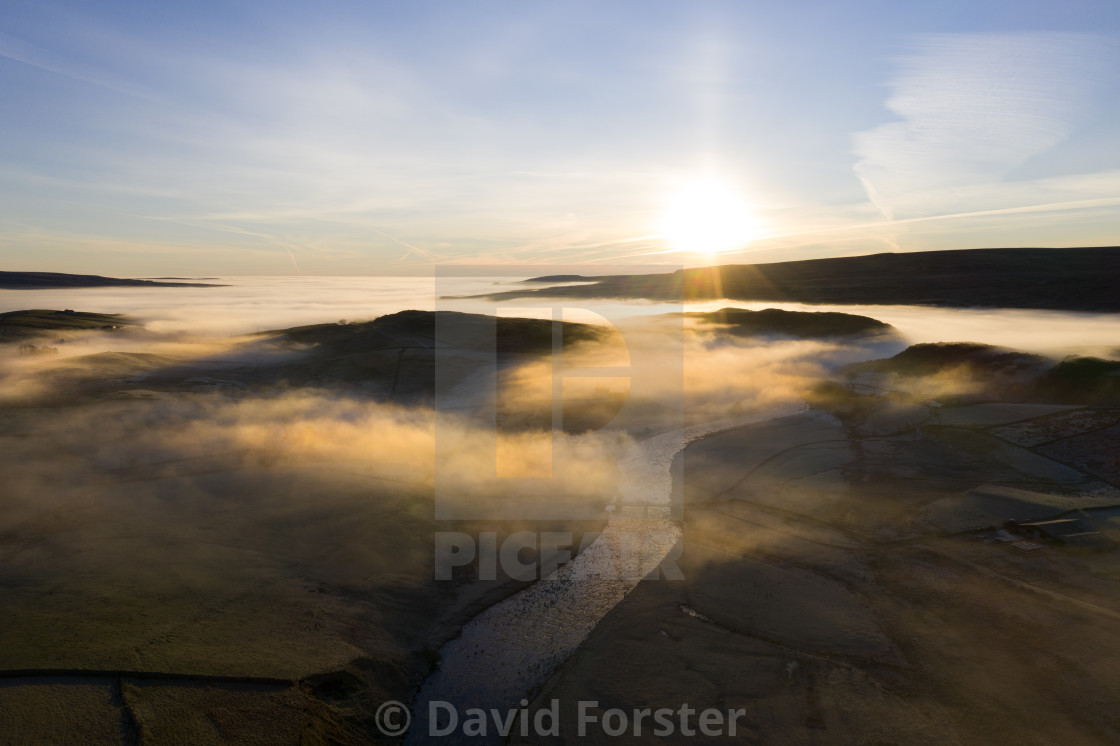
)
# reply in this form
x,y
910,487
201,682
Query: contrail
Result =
x,y
1046,207
410,247
13,48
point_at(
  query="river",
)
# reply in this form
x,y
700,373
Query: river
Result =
x,y
505,653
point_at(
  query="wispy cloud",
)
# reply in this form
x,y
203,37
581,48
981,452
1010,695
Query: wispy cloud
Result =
x,y
972,107
525,136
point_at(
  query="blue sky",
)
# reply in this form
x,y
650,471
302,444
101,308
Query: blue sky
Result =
x,y
377,137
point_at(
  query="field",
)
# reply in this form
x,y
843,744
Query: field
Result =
x,y
236,547
818,600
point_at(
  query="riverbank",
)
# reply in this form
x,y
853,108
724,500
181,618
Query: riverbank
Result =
x,y
506,653
817,598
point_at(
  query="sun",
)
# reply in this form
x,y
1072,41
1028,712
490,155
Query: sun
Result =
x,y
708,216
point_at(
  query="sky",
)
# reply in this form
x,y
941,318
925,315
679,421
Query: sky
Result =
x,y
377,137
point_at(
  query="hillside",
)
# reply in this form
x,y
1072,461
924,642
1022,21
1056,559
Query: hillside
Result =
x,y
23,325
52,280
743,322
1076,279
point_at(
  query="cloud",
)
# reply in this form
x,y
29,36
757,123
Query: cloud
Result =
x,y
971,108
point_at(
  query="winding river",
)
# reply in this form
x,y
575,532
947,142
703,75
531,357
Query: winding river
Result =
x,y
505,653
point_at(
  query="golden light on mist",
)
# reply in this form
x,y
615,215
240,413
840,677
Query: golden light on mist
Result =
x,y
708,216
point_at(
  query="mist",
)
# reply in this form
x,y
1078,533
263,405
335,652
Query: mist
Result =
x,y
253,304
204,492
